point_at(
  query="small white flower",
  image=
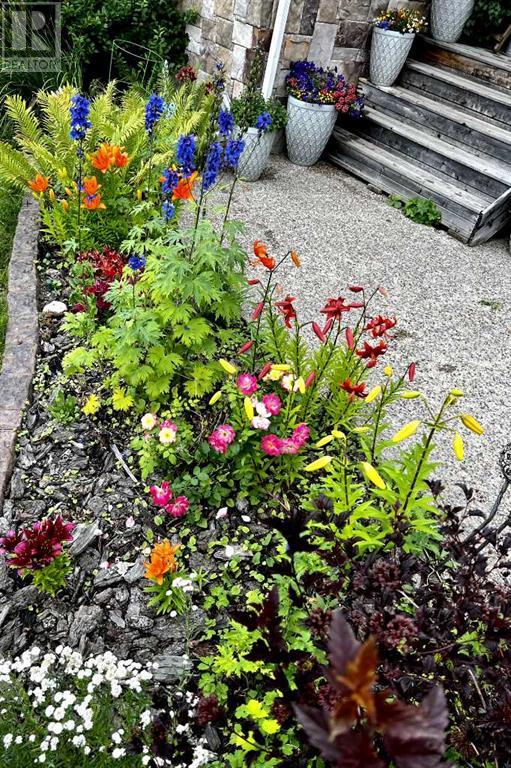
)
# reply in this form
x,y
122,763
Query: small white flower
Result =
x,y
8,740
223,512
118,752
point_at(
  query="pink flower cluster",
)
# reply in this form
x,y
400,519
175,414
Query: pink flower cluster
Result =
x,y
221,438
273,445
167,430
162,496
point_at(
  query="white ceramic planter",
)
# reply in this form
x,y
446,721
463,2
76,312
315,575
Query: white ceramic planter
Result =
x,y
389,51
448,17
309,126
255,156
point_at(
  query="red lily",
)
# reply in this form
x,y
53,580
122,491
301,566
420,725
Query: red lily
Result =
x,y
372,353
380,326
287,310
354,390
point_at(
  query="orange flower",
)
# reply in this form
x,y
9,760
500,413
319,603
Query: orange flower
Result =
x,y
162,561
39,184
93,202
260,249
261,252
107,156
184,189
91,186
120,158
295,259
102,159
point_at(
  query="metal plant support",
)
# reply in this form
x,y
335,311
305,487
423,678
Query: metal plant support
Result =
x,y
505,466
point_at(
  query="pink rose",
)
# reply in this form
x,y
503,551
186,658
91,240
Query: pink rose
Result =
x,y
247,384
272,445
161,494
273,404
179,507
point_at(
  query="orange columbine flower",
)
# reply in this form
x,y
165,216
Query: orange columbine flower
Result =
x,y
184,189
39,184
162,561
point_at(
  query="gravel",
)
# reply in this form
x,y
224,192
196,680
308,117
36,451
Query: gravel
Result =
x,y
453,301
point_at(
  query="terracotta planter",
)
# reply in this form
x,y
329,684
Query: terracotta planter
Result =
x,y
448,17
389,51
309,126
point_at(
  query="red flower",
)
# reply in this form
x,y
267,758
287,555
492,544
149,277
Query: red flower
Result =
x,y
354,390
319,333
257,311
411,372
380,326
372,353
355,288
261,252
350,339
287,309
264,370
334,308
38,546
310,379
245,347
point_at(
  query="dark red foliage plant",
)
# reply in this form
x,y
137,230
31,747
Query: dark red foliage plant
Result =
x,y
38,546
363,727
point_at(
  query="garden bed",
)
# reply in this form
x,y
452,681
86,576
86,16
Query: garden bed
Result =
x,y
222,498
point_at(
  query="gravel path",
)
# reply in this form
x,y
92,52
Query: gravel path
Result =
x,y
453,301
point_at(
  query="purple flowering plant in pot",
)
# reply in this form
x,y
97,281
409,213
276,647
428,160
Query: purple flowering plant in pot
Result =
x,y
316,96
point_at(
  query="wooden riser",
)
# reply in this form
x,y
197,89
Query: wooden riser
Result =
x,y
485,102
475,62
489,177
450,124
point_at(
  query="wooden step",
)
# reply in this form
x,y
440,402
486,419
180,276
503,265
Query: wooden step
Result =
x,y
483,173
494,68
454,87
461,210
447,120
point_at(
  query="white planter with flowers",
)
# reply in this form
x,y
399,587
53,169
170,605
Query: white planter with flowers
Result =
x,y
309,126
253,161
393,36
316,98
448,17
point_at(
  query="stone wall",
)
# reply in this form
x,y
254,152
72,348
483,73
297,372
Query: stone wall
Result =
x,y
329,32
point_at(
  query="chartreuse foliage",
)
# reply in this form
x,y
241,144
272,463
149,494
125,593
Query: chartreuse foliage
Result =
x,y
169,324
45,148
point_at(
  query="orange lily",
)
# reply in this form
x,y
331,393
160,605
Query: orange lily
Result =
x,y
39,184
93,202
162,561
102,158
120,158
184,189
91,186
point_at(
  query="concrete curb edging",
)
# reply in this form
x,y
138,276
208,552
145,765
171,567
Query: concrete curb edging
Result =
x,y
22,336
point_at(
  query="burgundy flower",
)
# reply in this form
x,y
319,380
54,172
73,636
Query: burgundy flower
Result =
x,y
36,547
372,353
287,310
334,308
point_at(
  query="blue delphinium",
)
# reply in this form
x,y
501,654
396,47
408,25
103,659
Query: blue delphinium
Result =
x,y
225,123
170,181
168,209
80,123
153,111
264,122
213,165
232,153
185,154
136,263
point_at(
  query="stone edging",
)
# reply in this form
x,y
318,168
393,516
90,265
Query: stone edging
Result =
x,y
21,338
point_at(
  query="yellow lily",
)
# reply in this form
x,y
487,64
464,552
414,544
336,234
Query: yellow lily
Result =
x,y
372,475
249,408
410,394
314,466
407,431
300,383
458,447
281,367
471,423
324,441
373,394
227,366
388,371
215,398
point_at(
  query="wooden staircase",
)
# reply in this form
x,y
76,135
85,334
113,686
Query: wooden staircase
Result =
x,y
443,132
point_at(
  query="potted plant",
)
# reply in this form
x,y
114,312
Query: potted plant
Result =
x,y
393,35
316,97
257,119
448,17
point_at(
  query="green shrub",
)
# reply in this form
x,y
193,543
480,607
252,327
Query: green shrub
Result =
x,y
489,18
124,38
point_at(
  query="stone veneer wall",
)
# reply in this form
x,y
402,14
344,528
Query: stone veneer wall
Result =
x,y
334,32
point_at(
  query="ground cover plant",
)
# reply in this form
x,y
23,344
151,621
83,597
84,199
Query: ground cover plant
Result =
x,y
332,609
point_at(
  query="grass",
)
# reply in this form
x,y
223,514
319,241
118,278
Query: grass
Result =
x,y
10,202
